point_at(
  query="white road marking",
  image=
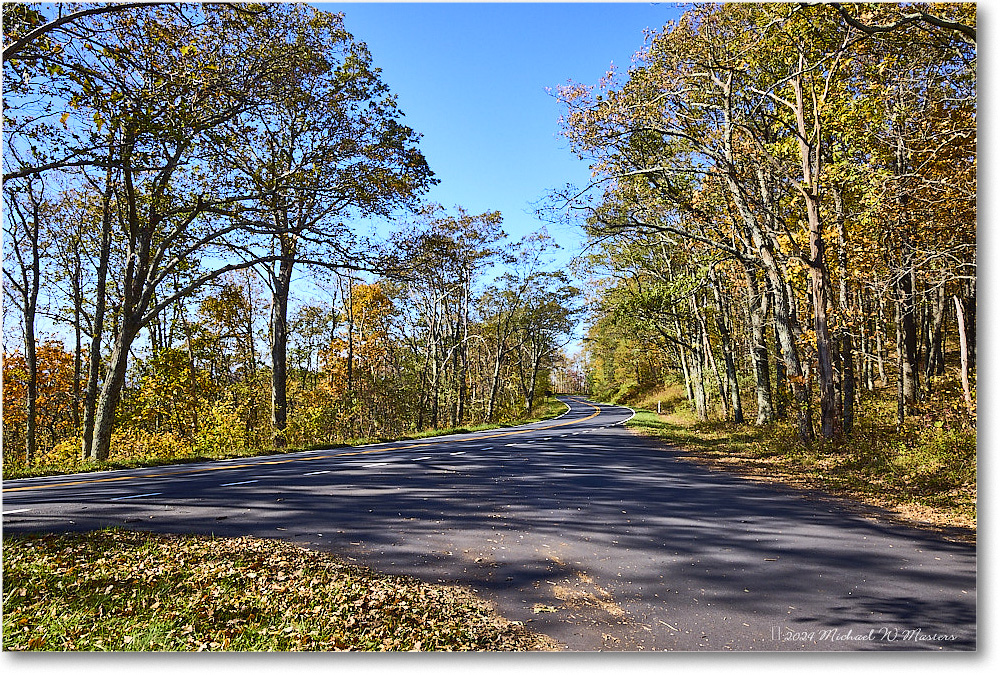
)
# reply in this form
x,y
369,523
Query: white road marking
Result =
x,y
368,466
462,452
241,482
7,513
417,459
148,494
315,473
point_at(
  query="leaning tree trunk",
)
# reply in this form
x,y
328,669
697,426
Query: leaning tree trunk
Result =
x,y
784,334
107,403
964,346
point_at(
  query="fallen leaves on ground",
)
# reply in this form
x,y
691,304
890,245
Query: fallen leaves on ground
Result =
x,y
116,590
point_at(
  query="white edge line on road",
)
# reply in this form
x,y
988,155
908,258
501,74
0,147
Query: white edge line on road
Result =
x,y
240,482
628,418
7,513
148,494
568,410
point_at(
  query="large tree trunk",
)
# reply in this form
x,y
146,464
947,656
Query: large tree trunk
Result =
x,y
107,404
698,369
792,367
824,351
810,159
758,348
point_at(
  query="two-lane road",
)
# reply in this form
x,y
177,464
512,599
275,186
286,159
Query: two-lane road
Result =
x,y
591,534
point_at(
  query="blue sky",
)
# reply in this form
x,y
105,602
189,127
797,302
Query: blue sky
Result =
x,y
472,79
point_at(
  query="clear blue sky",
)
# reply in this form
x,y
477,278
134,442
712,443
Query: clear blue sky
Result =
x,y
472,79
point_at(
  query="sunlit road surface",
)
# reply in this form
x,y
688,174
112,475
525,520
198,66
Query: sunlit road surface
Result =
x,y
600,538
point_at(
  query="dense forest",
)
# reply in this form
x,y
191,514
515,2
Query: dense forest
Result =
x,y
182,266
782,217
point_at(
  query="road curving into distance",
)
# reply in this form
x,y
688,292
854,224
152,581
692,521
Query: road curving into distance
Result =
x,y
601,538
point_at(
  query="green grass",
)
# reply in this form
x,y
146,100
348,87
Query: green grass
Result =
x,y
926,472
114,590
546,409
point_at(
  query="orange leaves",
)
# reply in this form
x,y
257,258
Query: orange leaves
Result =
x,y
54,412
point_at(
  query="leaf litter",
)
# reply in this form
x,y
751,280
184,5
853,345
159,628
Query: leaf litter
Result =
x,y
116,590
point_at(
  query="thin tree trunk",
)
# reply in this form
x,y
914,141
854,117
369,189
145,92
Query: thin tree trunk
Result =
x,y
964,351
94,357
279,349
880,348
935,353
192,372
78,341
847,360
908,354
31,283
900,376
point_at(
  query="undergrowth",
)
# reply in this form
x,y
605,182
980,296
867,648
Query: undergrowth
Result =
x,y
135,450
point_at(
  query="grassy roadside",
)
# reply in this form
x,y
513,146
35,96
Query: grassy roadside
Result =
x,y
546,409
115,590
925,478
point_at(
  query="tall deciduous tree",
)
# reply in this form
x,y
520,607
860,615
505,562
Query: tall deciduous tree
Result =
x,y
328,145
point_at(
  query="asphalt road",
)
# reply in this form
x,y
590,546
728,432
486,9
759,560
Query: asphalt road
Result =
x,y
595,536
